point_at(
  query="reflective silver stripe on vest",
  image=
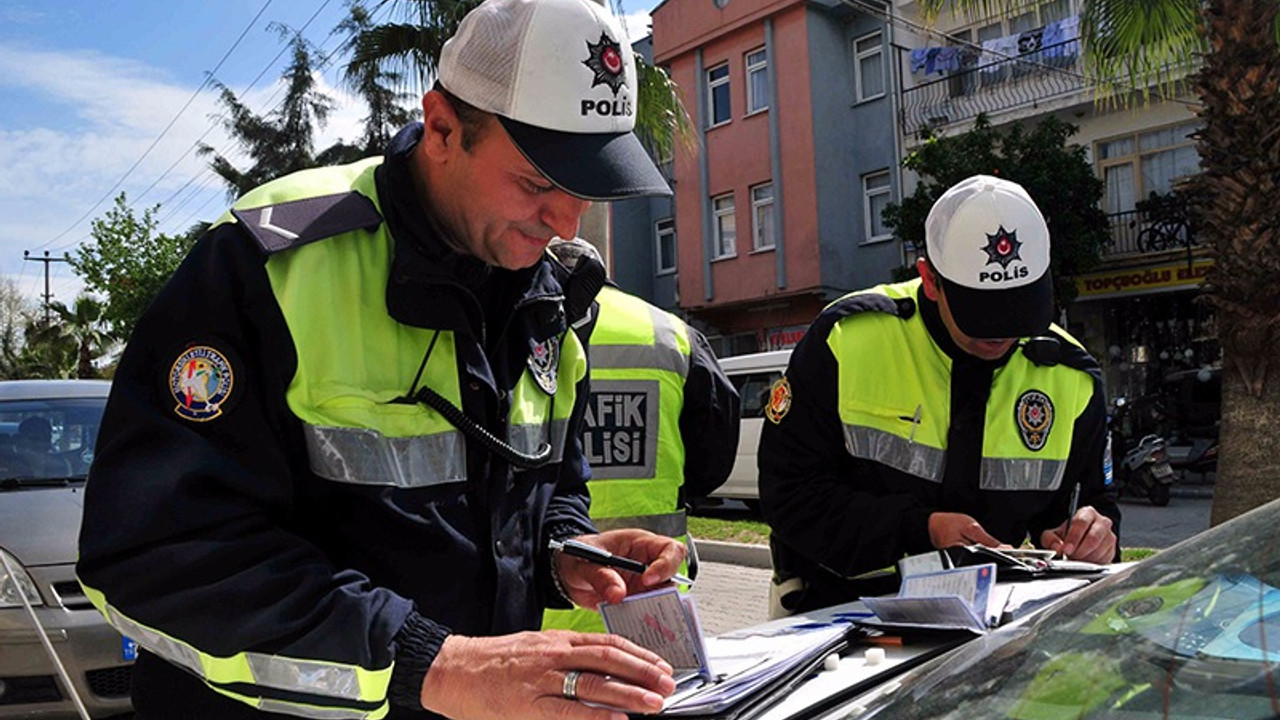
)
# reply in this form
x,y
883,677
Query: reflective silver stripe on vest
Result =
x,y
291,674
670,524
896,452
527,438
367,457
664,354
1021,474
311,711
166,647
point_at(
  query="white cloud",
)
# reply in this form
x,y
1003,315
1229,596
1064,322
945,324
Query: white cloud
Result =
x,y
636,24
104,113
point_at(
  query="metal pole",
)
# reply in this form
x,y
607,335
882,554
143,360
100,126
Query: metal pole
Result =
x,y
44,638
48,296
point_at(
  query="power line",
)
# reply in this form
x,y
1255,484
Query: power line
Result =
x,y
163,132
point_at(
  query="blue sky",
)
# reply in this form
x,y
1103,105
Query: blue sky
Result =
x,y
88,87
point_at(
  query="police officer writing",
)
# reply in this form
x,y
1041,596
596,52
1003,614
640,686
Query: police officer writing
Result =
x,y
341,443
942,411
662,422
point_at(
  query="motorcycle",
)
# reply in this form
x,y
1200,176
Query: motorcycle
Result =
x,y
1143,469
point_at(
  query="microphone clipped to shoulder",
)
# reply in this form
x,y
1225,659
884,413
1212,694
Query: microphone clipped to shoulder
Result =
x,y
1042,350
586,275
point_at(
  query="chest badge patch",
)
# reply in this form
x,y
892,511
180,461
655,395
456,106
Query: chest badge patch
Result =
x,y
779,400
200,380
544,361
1034,415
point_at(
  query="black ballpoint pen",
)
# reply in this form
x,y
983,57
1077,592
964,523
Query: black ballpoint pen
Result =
x,y
593,554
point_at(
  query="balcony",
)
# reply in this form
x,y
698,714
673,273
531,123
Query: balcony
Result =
x,y
982,86
1159,224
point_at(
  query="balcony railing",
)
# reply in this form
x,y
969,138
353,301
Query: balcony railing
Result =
x,y
1146,231
989,87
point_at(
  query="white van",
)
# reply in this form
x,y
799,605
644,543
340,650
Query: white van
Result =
x,y
753,375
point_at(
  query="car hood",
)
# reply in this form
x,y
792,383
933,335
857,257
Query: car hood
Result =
x,y
41,526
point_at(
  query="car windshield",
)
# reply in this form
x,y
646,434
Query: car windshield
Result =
x,y
1193,632
47,439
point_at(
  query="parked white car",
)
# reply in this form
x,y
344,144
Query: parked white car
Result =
x,y
753,375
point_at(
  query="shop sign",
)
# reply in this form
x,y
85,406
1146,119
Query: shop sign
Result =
x,y
1141,280
781,338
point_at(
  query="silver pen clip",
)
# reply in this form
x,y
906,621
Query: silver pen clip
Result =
x,y
915,423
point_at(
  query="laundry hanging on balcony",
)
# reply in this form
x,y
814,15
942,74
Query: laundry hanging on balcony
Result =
x,y
1059,39
941,60
1055,41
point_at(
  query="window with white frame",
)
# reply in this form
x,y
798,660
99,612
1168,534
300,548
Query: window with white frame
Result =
x,y
726,232
757,80
868,54
876,194
1134,166
664,232
764,226
718,95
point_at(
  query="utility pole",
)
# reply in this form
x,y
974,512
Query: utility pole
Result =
x,y
26,255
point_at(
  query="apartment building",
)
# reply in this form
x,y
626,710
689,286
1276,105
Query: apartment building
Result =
x,y
777,210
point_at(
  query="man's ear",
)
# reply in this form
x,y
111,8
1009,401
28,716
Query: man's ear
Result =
x,y
441,129
929,279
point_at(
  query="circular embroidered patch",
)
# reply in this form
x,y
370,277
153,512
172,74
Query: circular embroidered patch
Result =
x,y
779,400
1034,415
200,380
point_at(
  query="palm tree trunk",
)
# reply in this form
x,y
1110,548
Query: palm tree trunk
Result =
x,y
1249,454
1235,203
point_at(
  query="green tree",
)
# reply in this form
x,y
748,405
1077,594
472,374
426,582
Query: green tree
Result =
x,y
84,324
16,312
1146,45
128,262
47,351
283,140
380,88
1055,173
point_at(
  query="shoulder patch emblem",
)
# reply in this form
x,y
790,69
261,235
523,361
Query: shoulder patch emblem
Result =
x,y
1034,415
779,400
200,380
544,363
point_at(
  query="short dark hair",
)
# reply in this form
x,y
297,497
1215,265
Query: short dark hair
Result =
x,y
474,120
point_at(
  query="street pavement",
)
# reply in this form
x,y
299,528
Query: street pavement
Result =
x,y
732,589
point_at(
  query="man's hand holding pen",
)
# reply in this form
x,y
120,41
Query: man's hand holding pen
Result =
x,y
1085,536
557,674
590,582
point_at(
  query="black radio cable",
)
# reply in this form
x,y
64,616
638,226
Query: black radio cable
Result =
x,y
468,427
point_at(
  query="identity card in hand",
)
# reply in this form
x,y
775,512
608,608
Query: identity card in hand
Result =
x,y
664,621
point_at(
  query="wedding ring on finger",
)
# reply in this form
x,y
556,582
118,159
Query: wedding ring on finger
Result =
x,y
570,689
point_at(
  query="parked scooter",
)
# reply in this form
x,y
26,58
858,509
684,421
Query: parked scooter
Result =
x,y
1143,469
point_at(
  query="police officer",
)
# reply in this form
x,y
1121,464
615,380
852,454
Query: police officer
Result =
x,y
340,443
942,411
662,422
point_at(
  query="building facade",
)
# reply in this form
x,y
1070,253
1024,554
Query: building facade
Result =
x,y
777,209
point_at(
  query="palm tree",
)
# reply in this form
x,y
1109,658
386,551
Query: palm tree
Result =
x,y
1146,44
84,324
